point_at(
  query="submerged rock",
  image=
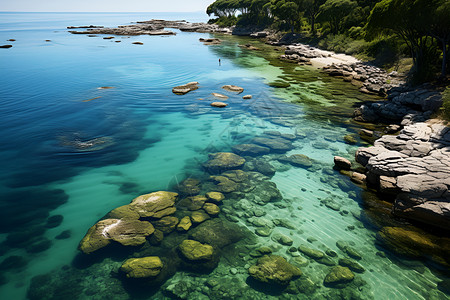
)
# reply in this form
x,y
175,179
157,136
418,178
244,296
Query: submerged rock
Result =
x,y
313,253
222,161
279,145
185,224
166,224
215,197
143,267
250,149
274,269
185,88
219,104
189,186
414,243
211,209
196,251
198,217
342,163
155,205
233,88
338,275
125,232
352,265
219,96
299,160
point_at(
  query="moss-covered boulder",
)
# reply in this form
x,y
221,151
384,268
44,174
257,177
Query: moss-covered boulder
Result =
x,y
352,265
224,184
338,275
222,161
189,186
274,269
313,253
144,267
130,232
196,251
217,233
155,205
199,216
185,224
236,175
193,203
166,224
215,197
124,212
123,231
211,209
416,243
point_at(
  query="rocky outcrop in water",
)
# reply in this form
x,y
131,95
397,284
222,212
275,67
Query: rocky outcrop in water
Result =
x,y
274,269
134,29
414,165
185,88
404,104
374,80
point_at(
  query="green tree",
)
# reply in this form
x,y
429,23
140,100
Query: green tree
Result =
x,y
411,21
286,11
312,10
335,11
440,29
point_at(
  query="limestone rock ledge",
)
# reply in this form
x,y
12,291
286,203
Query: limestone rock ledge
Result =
x,y
415,165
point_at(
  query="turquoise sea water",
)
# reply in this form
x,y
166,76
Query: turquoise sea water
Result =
x,y
74,152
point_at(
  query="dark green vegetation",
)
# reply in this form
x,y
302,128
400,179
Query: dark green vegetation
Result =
x,y
389,32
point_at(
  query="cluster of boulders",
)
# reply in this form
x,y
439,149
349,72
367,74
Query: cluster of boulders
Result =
x,y
414,165
192,86
300,53
373,80
405,105
134,29
188,27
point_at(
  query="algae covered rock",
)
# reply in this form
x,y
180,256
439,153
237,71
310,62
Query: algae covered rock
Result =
x,y
124,212
313,253
222,161
166,224
215,197
211,209
129,232
414,243
338,275
193,203
352,265
189,186
195,251
125,232
274,269
224,184
156,205
198,217
143,267
217,233
185,224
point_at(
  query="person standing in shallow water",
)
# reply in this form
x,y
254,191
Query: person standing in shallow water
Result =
x,y
219,62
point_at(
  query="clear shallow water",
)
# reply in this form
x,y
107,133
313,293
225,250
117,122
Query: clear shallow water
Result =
x,y
151,139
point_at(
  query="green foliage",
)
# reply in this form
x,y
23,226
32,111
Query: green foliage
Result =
x,y
445,108
336,12
342,44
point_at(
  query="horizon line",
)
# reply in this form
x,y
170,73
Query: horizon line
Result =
x,y
125,12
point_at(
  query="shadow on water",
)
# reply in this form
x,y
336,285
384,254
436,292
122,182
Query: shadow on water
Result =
x,y
265,288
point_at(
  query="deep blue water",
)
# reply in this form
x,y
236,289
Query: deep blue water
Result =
x,y
70,149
